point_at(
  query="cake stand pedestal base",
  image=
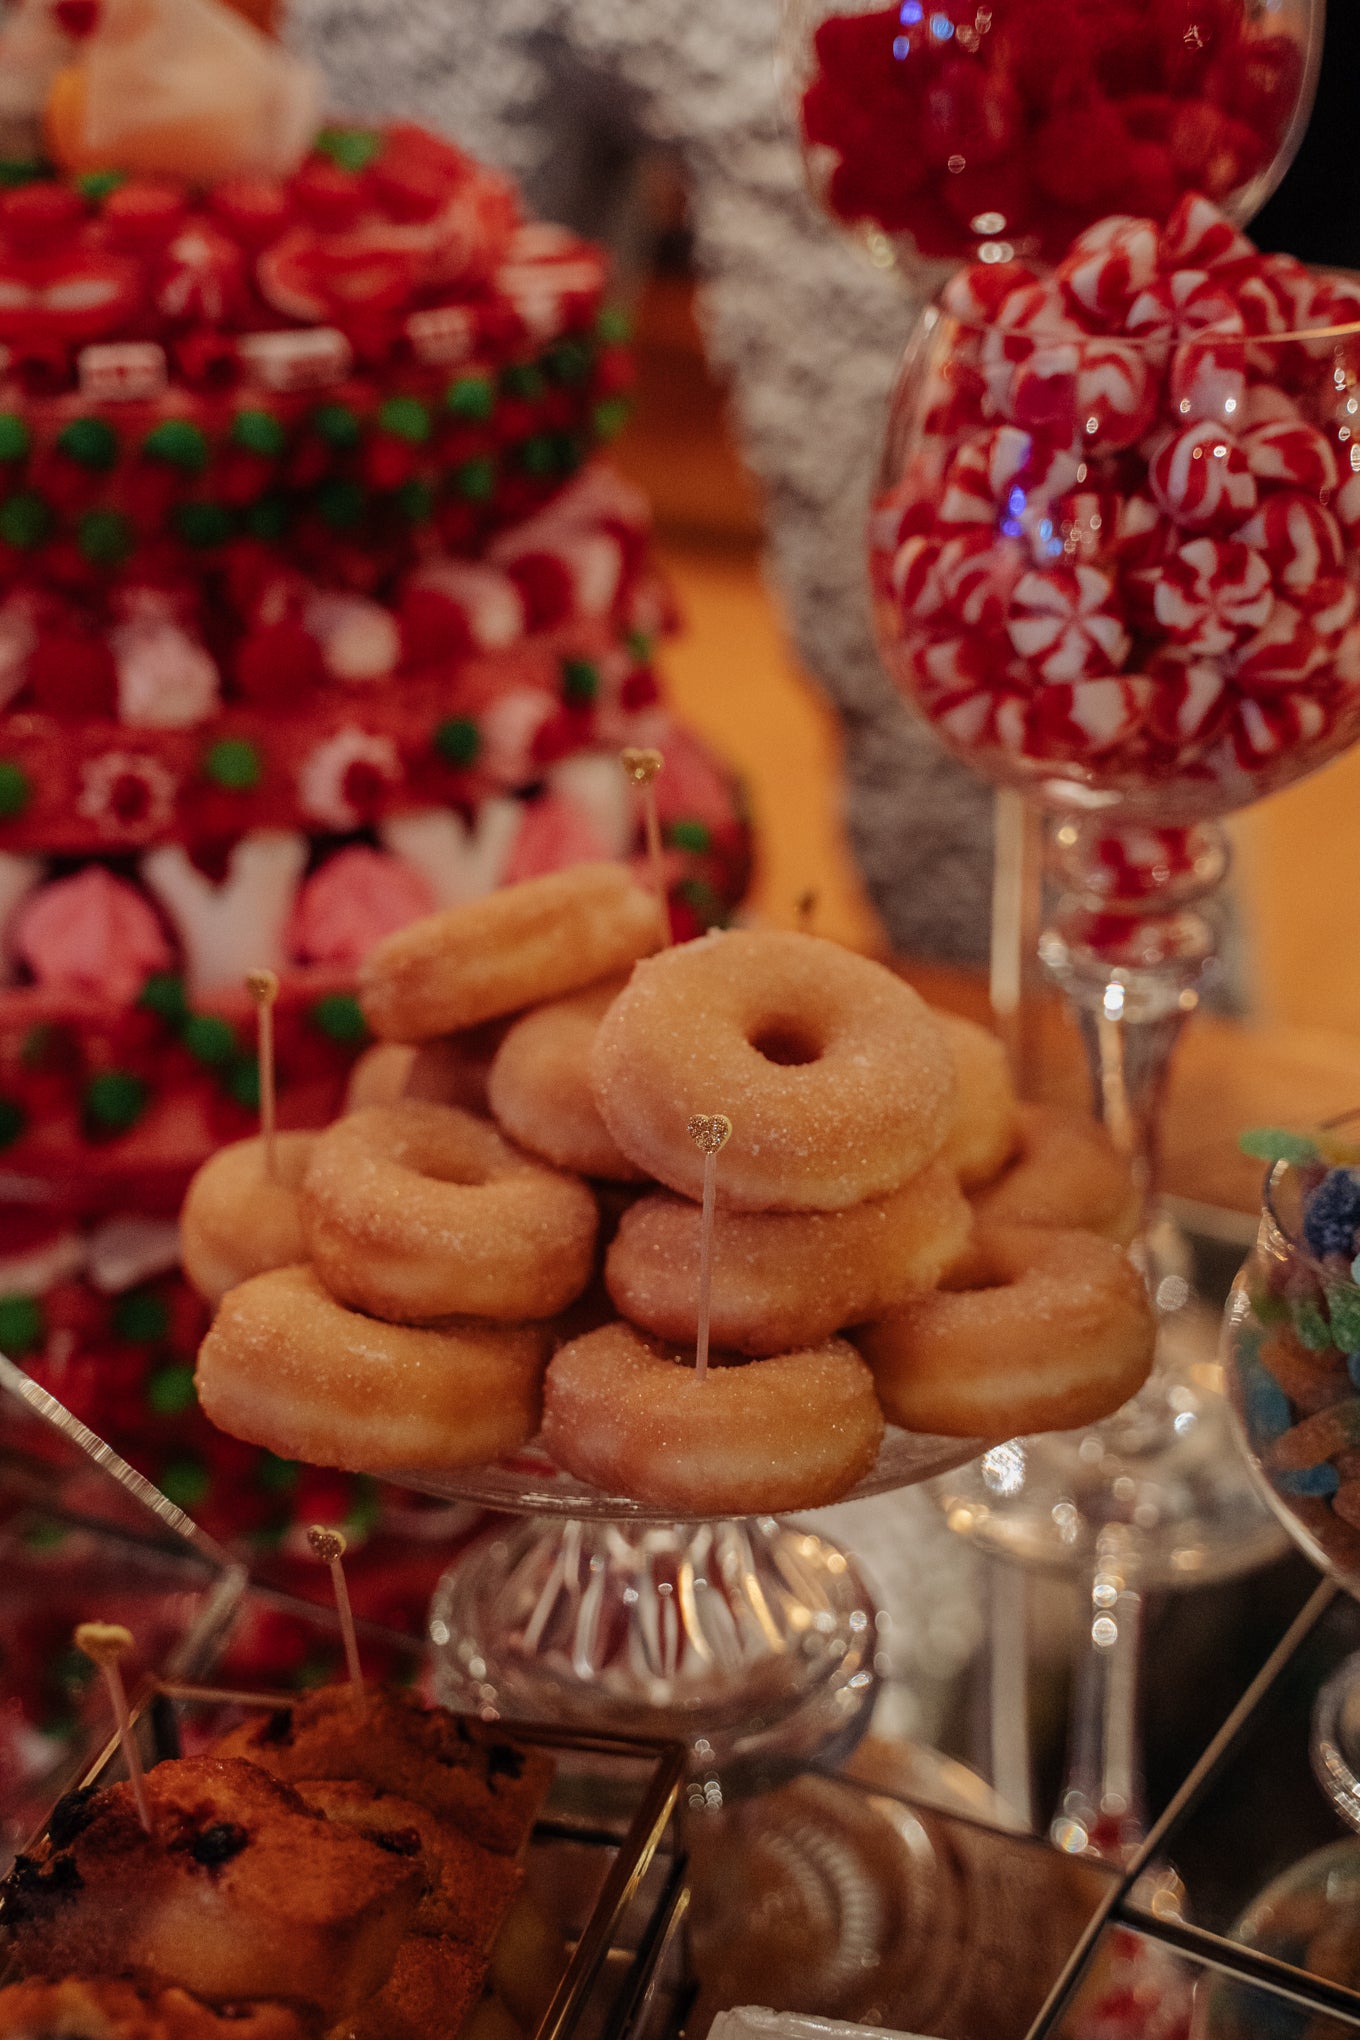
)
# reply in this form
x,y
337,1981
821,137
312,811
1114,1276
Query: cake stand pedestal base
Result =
x,y
754,1643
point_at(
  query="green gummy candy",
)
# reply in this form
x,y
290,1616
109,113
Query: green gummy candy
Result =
x,y
457,740
22,1325
15,789
141,1317
1312,1328
15,438
405,418
1277,1144
233,763
209,1038
115,1100
90,442
689,835
178,441
1343,1308
258,432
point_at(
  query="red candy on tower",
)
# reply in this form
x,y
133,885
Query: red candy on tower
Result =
x,y
300,503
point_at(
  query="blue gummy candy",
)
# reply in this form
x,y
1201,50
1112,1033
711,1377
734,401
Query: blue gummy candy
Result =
x,y
1268,1411
1313,1480
1333,1213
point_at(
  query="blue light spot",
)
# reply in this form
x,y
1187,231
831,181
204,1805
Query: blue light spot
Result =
x,y
1010,527
1045,528
941,27
901,48
910,12
1016,502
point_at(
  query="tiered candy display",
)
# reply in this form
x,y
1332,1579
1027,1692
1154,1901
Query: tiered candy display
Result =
x,y
317,611
1117,541
1294,1341
955,128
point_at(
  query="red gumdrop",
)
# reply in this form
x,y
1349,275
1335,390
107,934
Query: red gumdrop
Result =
x,y
432,627
640,689
276,659
241,477
568,729
144,213
545,588
1212,152
933,228
1128,57
1259,81
965,113
999,195
1049,49
1152,178
409,184
253,209
852,45
1148,116
331,198
1078,155
71,673
389,461
35,217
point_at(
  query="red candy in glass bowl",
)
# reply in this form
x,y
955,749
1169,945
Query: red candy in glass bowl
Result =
x,y
1116,543
945,130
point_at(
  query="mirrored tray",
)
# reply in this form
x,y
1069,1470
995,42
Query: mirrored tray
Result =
x,y
604,1869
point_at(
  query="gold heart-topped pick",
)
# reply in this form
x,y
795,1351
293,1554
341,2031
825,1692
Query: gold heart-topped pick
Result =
x,y
330,1547
105,1644
641,766
263,986
710,1131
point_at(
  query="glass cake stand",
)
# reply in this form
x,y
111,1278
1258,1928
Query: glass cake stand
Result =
x,y
753,1641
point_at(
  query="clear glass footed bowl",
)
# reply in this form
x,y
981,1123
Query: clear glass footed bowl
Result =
x,y
945,130
1120,571
531,1484
1292,1359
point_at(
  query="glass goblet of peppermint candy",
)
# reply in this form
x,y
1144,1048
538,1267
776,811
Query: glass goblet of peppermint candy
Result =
x,y
1115,554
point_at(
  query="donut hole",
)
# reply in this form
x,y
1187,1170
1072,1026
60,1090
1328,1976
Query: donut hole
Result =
x,y
790,1043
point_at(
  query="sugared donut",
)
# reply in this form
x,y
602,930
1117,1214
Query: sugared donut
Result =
x,y
238,1220
1059,1333
1068,1172
286,1366
837,1078
496,955
791,1432
419,1211
785,1278
539,1086
987,1128
452,1071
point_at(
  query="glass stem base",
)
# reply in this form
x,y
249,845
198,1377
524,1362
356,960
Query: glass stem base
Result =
x,y
754,1643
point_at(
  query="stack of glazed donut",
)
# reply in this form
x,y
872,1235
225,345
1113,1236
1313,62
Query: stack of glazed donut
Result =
x,y
501,1239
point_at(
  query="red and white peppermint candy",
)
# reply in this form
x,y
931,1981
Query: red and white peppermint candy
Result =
x,y
1330,606
1107,266
961,662
1116,394
1190,301
1294,289
1188,702
1210,594
1336,302
1199,236
1039,392
985,470
1200,477
1287,652
1300,541
976,294
1143,533
976,578
1038,307
1262,731
1267,404
1066,624
1083,720
1294,455
915,580
1208,379
1346,659
1345,504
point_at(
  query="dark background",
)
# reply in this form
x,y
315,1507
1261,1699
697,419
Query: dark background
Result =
x,y
1315,213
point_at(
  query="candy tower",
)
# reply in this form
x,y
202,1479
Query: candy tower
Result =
x,y
318,610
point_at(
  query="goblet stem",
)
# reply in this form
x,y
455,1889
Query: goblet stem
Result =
x,y
1017,888
1100,1810
1128,945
